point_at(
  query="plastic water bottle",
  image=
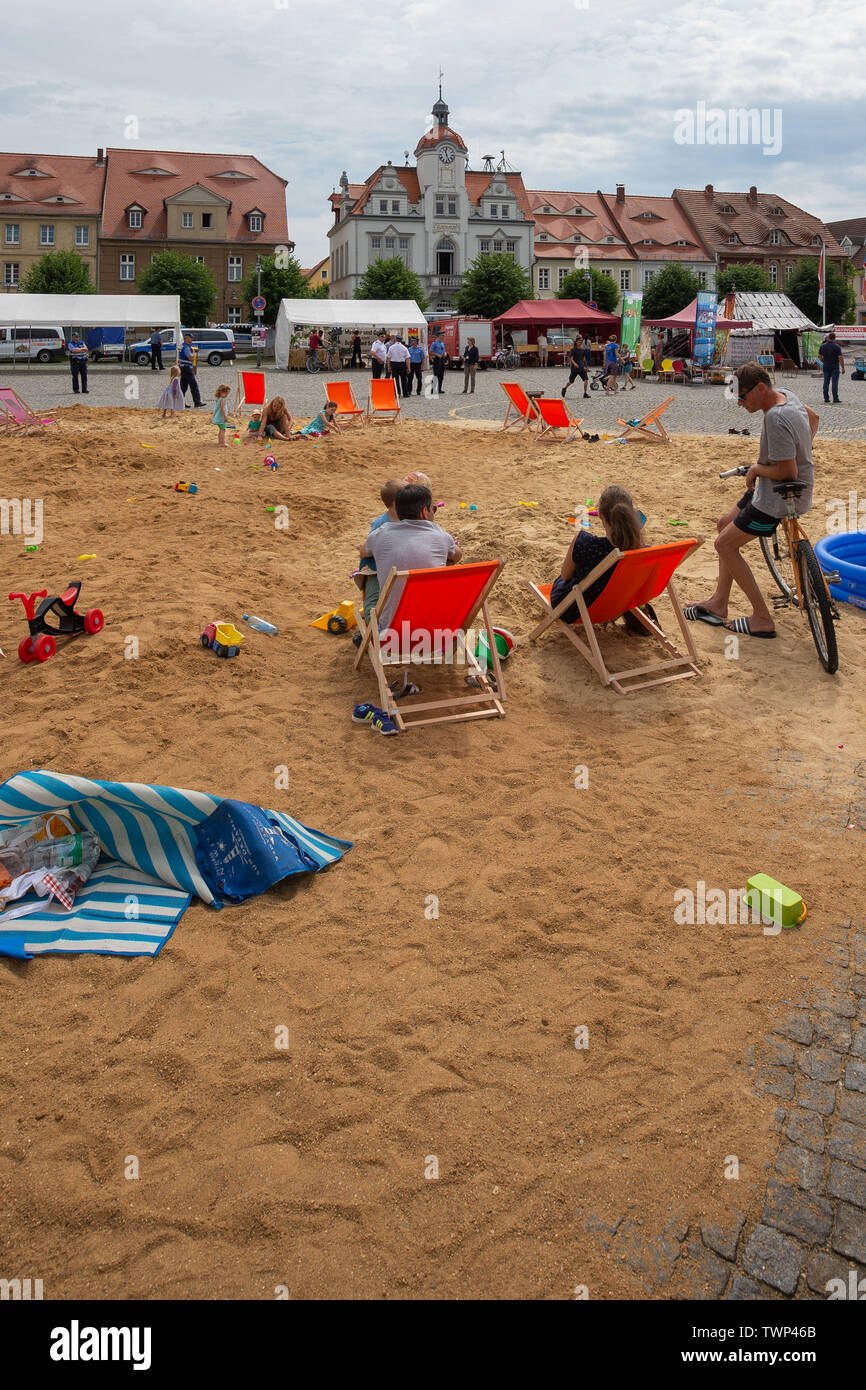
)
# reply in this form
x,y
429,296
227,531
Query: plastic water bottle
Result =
x,y
259,625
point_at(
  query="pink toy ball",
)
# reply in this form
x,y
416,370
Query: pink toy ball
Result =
x,y
270,461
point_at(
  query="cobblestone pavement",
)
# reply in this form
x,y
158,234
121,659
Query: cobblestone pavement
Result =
x,y
695,409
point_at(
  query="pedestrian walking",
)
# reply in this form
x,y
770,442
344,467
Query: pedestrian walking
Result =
x,y
579,361
416,366
611,365
156,351
470,366
357,359
187,372
833,362
398,356
438,360
78,363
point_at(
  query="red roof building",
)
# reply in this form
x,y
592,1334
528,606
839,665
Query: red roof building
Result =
x,y
48,203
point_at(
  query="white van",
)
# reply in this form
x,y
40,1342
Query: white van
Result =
x,y
215,345
32,344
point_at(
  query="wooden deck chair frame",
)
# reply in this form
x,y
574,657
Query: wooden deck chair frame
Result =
x,y
355,416
677,667
643,429
522,421
11,423
546,431
484,703
241,403
394,413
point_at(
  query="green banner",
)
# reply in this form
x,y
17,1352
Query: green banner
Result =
x,y
631,312
811,343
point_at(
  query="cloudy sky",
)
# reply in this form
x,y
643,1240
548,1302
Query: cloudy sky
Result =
x,y
581,94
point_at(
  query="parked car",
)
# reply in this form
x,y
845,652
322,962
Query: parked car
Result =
x,y
33,344
215,345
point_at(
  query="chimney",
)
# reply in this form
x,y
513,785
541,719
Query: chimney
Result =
x,y
620,193
753,196
709,192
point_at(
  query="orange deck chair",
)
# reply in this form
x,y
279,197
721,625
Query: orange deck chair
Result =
x,y
250,394
524,411
382,401
16,416
347,407
556,415
640,576
430,626
643,428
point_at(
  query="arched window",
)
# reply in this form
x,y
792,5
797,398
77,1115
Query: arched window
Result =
x,y
445,256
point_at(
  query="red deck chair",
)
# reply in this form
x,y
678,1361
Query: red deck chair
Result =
x,y
16,416
640,576
643,430
347,407
382,401
250,392
518,401
556,415
434,613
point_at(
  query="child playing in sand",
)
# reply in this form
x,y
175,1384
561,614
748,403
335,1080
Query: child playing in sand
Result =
x,y
324,422
220,414
366,578
172,396
254,427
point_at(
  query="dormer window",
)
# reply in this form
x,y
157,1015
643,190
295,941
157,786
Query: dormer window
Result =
x,y
166,173
545,209
134,218
733,239
230,174
777,212
256,222
775,237
816,241
493,210
726,207
506,210
681,242
543,236
32,173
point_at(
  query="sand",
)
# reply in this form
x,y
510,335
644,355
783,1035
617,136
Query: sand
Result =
x,y
411,1037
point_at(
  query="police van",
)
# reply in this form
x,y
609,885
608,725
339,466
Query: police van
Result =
x,y
214,345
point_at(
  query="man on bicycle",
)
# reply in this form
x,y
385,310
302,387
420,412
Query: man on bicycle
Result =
x,y
784,455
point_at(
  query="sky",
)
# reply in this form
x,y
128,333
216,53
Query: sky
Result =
x,y
580,94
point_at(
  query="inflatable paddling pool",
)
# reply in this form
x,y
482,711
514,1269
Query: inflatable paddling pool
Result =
x,y
845,553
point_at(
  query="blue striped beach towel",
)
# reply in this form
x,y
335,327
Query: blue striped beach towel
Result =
x,y
152,861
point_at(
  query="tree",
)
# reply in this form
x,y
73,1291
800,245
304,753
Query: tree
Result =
x,y
491,285
802,288
747,278
670,290
391,279
281,279
171,273
602,291
59,272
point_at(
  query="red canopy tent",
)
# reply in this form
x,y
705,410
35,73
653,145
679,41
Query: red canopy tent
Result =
x,y
684,321
555,313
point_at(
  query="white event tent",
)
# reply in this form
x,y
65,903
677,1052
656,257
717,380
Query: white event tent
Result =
x,y
90,311
397,315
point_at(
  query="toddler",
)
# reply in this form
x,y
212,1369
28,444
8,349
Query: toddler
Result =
x,y
220,414
172,397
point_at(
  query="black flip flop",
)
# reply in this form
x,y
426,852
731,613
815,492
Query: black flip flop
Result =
x,y
741,625
696,613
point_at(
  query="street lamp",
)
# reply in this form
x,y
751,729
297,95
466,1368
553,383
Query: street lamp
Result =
x,y
258,315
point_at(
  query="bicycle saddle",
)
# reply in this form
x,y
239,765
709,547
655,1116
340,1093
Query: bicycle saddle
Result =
x,y
789,489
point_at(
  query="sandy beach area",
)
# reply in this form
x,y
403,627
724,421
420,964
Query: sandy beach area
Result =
x,y
411,1037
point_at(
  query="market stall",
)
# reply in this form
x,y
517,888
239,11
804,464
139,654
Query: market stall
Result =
x,y
563,317
23,315
335,317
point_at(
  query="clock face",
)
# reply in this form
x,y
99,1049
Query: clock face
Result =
x,y
446,154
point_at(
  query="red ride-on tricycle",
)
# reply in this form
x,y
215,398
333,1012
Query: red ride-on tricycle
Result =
x,y
41,643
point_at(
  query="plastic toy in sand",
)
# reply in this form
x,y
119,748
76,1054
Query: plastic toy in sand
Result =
x,y
186,487
340,619
842,557
504,645
270,461
42,641
223,638
774,901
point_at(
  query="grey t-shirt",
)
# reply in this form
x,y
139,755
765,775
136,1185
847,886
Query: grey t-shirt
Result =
x,y
406,545
785,435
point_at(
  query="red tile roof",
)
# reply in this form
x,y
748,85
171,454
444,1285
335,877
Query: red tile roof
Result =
x,y
477,186
74,176
125,183
437,133
562,224
667,225
753,222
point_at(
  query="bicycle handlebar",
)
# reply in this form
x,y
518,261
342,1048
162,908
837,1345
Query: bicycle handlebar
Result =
x,y
739,472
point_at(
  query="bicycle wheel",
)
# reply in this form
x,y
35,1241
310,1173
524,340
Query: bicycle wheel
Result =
x,y
779,563
818,609
312,362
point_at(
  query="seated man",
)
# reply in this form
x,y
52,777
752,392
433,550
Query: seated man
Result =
x,y
784,454
412,542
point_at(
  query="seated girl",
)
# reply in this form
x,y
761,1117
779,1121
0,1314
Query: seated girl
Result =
x,y
276,422
323,423
622,531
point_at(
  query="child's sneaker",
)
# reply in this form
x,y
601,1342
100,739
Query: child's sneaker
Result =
x,y
361,714
383,723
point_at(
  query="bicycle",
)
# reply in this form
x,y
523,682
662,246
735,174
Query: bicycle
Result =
x,y
797,574
506,358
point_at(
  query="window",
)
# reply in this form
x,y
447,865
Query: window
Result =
x,y
404,243
777,212
544,278
46,235
774,273
199,260
389,243
494,210
383,204
647,276
775,237
236,265
497,247
234,313
726,207
186,219
135,217
816,241
127,265
82,236
452,207
789,271
562,274
376,243
505,210
484,247
625,279
13,233
511,247
255,221
733,239
702,278
543,236
440,207
682,242
10,273
395,205
207,219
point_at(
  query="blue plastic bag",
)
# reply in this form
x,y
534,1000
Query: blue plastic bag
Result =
x,y
242,850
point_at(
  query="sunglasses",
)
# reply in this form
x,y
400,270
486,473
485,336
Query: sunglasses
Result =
x,y
746,395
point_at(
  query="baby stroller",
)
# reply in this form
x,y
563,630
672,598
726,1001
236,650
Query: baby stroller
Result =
x,y
599,381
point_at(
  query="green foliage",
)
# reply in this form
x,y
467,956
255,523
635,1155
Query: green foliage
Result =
x,y
802,288
602,291
670,290
281,279
748,278
491,285
171,273
321,292
59,272
391,279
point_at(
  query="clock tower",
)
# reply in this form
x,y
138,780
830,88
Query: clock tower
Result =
x,y
441,154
